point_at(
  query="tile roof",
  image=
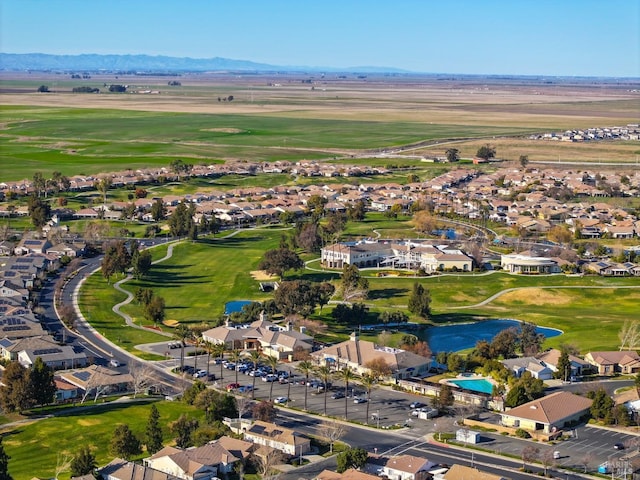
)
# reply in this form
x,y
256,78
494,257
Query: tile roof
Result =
x,y
552,408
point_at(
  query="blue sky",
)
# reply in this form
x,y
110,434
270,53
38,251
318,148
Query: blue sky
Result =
x,y
525,37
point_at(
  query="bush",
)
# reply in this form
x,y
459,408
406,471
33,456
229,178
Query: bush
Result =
x,y
520,433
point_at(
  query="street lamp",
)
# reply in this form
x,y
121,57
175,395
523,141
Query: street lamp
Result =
x,y
378,418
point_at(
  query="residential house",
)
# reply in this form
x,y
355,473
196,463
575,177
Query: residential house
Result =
x,y
14,327
119,469
611,362
54,355
65,391
548,414
97,380
532,365
407,467
524,264
279,438
349,474
357,354
207,462
551,357
462,472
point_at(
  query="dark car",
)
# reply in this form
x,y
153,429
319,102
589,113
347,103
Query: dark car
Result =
x,y
619,446
417,405
338,394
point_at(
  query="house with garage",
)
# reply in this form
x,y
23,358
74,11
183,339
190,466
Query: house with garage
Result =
x,y
462,472
612,362
119,469
277,437
548,414
551,358
519,365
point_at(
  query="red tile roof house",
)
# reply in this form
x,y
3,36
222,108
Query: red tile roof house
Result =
x,y
610,363
548,414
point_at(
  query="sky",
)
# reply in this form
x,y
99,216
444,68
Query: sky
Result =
x,y
509,37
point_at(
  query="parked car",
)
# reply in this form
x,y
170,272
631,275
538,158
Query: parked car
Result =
x,y
417,405
233,386
200,374
245,389
339,394
359,400
619,446
270,378
114,363
281,400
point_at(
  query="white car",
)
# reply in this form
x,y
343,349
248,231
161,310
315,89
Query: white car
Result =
x,y
281,400
270,378
200,374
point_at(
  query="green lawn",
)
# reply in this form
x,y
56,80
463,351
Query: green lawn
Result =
x,y
35,448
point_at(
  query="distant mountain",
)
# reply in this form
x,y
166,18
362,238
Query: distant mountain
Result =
x,y
158,64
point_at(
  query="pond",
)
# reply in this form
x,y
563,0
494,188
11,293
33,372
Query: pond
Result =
x,y
452,338
235,306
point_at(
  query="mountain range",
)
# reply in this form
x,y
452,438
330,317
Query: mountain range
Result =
x,y
158,64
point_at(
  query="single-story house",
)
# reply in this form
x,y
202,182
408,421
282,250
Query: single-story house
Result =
x,y
357,354
547,414
532,365
609,363
524,264
551,358
407,467
350,474
119,469
462,472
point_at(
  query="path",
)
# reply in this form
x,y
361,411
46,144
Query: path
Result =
x,y
127,318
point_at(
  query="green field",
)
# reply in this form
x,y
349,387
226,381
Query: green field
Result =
x,y
35,448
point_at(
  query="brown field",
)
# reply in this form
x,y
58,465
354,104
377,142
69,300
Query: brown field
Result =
x,y
536,296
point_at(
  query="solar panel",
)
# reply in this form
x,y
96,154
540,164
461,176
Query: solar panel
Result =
x,y
47,351
84,376
16,328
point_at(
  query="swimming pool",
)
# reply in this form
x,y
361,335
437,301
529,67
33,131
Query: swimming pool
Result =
x,y
477,385
235,306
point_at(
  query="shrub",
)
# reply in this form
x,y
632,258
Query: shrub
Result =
x,y
520,433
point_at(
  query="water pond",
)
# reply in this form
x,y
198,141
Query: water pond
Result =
x,y
452,338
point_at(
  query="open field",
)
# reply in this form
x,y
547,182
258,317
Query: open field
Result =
x,y
89,133
66,434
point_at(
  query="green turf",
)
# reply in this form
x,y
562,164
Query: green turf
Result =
x,y
35,448
76,141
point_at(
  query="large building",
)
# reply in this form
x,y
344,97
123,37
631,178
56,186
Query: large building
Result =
x,y
410,254
358,354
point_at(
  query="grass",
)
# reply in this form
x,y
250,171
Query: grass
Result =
x,y
68,432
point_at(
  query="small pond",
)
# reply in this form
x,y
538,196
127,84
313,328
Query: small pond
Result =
x,y
452,338
235,306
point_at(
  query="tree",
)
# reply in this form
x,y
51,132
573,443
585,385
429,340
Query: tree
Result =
x,y
179,167
217,405
143,295
378,367
309,238
368,381
116,259
602,405
158,210
255,356
83,462
265,463
43,89
563,369
424,221
530,341
140,263
629,335
504,343
420,301
124,443
323,293
279,260
42,386
183,429
103,185
452,154
296,297
529,455
486,152
14,393
356,211
141,376
154,310
271,362
4,463
333,431
153,432
352,458
445,398
325,373
305,367
265,411
181,220
524,161
353,285
39,211
346,374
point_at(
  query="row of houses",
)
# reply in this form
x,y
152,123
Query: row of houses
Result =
x,y
627,132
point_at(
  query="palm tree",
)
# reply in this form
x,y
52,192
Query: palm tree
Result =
x,y
218,350
209,348
197,339
273,363
305,367
255,356
368,381
182,333
325,373
346,374
235,356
